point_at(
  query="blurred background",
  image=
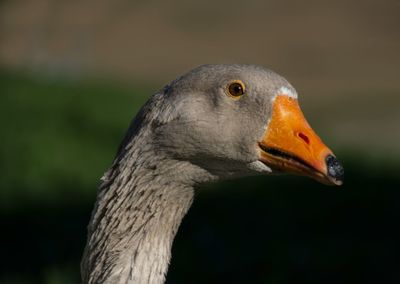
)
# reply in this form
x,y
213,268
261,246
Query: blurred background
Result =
x,y
74,73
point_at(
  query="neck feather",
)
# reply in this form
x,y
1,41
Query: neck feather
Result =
x,y
140,205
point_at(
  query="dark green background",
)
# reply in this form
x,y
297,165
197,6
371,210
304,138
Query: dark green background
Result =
x,y
58,137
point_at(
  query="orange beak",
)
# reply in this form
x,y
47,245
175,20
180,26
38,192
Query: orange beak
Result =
x,y
290,145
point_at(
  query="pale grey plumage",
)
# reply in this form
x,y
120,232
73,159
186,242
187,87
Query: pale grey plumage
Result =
x,y
187,134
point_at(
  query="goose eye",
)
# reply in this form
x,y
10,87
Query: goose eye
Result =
x,y
236,89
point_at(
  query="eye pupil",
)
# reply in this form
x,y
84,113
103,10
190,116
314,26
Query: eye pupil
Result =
x,y
236,89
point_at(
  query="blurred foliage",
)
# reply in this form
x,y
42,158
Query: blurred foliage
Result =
x,y
59,133
59,137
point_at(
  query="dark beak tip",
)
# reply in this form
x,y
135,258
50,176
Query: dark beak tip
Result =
x,y
335,169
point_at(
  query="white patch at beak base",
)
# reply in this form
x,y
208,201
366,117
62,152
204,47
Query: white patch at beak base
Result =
x,y
288,92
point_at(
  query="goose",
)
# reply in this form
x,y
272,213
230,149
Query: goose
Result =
x,y
214,123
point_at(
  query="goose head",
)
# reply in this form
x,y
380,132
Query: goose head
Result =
x,y
238,120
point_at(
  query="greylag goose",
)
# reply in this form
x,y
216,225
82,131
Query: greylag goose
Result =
x,y
215,122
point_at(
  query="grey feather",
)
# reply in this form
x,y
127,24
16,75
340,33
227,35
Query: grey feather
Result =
x,y
189,133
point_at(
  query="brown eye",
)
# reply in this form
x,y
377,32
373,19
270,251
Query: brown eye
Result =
x,y
236,89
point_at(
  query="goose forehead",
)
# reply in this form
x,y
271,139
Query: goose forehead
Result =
x,y
257,79
262,80
218,73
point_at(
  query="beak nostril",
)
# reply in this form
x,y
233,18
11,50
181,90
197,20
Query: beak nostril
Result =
x,y
304,137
